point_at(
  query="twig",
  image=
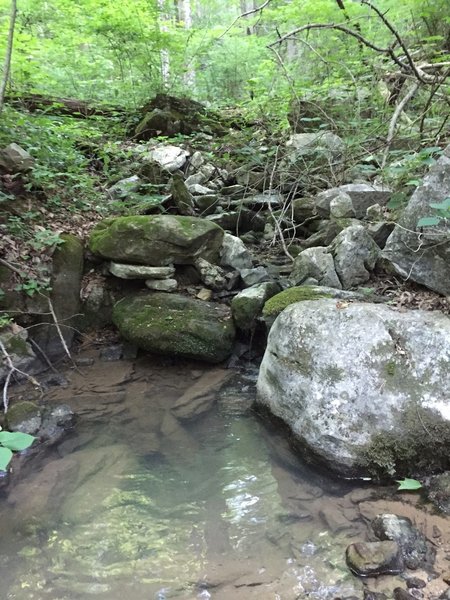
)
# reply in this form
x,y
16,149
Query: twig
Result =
x,y
9,266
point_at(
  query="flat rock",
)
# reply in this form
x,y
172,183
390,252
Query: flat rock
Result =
x,y
124,271
199,397
162,285
156,240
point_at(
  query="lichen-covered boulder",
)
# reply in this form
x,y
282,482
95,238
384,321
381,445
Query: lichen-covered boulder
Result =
x,y
174,325
423,254
157,240
361,384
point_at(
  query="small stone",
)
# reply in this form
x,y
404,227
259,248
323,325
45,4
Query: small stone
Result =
x,y
84,361
234,254
181,196
412,543
401,594
375,213
416,582
211,275
233,190
341,206
199,190
374,558
370,595
111,353
125,187
196,161
170,157
204,294
163,285
15,159
124,271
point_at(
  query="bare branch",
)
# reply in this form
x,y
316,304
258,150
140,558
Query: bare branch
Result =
x,y
243,15
393,124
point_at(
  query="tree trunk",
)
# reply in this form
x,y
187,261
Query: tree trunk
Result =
x,y
8,54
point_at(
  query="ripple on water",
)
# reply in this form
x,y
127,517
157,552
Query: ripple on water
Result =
x,y
149,506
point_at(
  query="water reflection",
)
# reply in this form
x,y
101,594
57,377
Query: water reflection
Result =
x,y
144,506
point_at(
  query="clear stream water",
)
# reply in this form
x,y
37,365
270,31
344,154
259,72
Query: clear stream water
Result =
x,y
138,505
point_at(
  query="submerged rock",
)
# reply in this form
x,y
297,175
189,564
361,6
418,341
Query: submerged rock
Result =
x,y
412,543
158,240
370,559
174,325
358,384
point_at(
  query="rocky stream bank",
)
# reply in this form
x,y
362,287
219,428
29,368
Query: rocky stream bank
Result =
x,y
231,267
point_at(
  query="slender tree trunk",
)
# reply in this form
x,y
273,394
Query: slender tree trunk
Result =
x,y
8,55
165,58
185,15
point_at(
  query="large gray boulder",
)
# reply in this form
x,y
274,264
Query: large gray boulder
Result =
x,y
158,240
423,254
174,325
363,388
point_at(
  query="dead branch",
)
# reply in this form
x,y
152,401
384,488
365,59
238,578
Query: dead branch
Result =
x,y
393,124
243,15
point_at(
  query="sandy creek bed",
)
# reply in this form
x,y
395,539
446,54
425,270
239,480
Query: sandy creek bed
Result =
x,y
137,504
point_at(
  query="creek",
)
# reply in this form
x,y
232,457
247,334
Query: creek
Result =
x,y
138,504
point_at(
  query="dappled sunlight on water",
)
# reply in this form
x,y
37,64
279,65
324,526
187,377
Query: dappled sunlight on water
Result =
x,y
139,504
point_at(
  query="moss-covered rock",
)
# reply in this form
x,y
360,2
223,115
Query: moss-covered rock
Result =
x,y
25,417
175,325
279,302
157,240
67,271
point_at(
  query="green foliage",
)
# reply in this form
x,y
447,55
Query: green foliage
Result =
x,y
442,210
408,484
12,442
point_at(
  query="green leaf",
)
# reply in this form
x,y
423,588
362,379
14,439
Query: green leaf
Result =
x,y
16,440
428,221
445,204
409,484
5,458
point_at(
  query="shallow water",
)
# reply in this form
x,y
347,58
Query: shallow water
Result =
x,y
139,504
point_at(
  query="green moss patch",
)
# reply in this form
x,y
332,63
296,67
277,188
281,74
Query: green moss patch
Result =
x,y
280,301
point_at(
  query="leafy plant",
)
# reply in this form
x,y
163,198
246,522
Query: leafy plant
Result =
x,y
12,442
442,210
408,485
